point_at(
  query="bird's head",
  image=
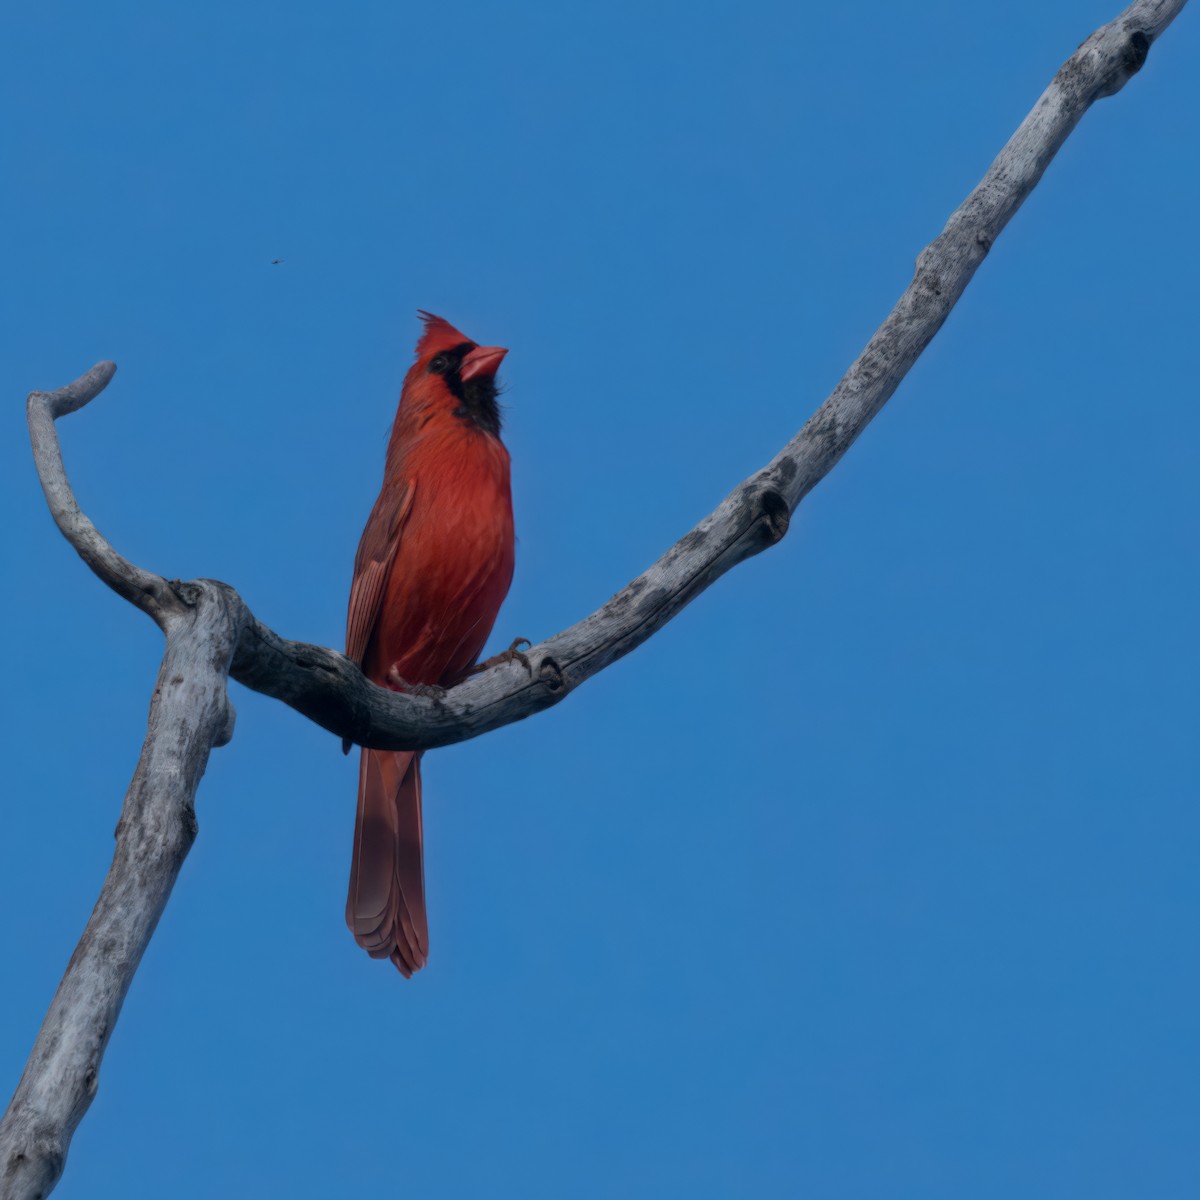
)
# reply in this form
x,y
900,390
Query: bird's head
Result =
x,y
456,373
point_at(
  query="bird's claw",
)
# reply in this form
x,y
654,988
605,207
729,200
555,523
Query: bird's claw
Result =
x,y
512,654
398,683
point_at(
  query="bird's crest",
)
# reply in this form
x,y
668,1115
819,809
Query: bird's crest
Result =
x,y
439,335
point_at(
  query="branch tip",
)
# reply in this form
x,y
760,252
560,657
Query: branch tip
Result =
x,y
75,395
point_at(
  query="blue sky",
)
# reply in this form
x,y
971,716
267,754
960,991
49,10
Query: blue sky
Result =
x,y
874,874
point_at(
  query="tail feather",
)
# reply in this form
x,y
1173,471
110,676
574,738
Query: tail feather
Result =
x,y
385,907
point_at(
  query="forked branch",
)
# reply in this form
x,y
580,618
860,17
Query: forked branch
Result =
x,y
211,633
329,690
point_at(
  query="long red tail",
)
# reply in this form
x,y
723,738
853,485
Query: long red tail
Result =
x,y
385,908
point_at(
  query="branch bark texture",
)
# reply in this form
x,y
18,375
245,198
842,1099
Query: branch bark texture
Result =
x,y
189,714
755,515
211,634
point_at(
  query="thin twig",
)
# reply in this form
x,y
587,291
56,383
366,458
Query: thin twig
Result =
x,y
143,588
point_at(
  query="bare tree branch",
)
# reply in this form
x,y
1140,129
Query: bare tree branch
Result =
x,y
330,691
211,633
148,591
189,714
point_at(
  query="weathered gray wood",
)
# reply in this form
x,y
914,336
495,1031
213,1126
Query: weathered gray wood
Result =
x,y
143,588
189,714
211,633
1100,67
755,515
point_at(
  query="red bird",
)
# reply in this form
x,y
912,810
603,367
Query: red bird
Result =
x,y
432,570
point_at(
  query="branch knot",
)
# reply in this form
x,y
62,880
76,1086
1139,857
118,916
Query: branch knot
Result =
x,y
1131,56
774,516
550,675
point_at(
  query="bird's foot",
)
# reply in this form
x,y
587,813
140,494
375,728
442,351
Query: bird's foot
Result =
x,y
512,654
398,683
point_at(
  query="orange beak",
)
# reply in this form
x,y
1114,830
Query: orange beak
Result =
x,y
483,360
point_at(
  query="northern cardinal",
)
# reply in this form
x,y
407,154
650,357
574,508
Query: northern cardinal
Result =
x,y
433,567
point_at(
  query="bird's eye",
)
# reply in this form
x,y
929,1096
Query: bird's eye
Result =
x,y
440,364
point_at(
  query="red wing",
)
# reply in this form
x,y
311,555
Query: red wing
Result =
x,y
376,551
